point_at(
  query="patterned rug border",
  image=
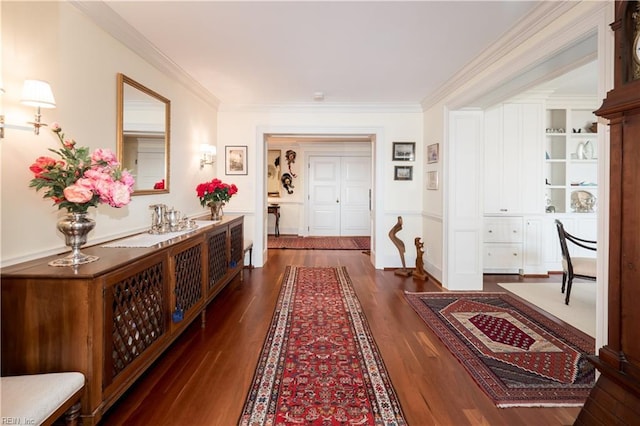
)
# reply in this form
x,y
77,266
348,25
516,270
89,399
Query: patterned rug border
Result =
x,y
386,408
484,377
296,242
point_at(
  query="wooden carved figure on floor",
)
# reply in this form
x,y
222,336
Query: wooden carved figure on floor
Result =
x,y
419,272
400,245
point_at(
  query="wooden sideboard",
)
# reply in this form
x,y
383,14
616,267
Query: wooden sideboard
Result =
x,y
111,319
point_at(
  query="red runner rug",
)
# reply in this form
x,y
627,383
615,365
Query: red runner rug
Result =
x,y
319,364
516,355
318,243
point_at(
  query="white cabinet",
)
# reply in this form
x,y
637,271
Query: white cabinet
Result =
x,y
503,245
512,146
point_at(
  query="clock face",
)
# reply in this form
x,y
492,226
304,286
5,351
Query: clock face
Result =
x,y
636,49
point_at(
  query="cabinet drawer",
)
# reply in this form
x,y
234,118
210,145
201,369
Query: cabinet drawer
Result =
x,y
503,230
503,256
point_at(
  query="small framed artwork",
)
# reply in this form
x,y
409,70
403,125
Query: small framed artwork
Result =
x,y
404,151
403,173
432,180
433,154
235,160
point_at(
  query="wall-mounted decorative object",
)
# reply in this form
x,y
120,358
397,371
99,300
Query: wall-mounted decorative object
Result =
x,y
291,158
273,173
403,173
404,151
433,153
287,182
432,180
235,160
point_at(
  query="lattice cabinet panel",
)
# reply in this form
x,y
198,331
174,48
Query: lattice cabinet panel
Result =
x,y
188,271
237,245
112,319
217,247
138,310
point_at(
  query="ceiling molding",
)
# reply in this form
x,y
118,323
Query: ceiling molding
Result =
x,y
543,14
104,17
316,108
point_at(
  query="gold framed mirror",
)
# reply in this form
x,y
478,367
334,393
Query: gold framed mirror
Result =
x,y
143,129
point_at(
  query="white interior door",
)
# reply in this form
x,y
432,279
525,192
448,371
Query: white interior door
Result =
x,y
355,211
339,196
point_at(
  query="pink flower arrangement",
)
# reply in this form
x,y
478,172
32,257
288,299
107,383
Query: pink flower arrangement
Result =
x,y
81,180
215,190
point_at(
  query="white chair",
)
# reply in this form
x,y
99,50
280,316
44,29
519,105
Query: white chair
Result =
x,y
41,399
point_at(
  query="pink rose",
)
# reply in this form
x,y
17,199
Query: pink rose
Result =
x,y
69,143
77,193
120,195
128,179
55,127
105,155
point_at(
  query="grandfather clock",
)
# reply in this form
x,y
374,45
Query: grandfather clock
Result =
x,y
615,398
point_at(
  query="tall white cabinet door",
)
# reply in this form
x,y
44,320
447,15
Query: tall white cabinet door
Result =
x,y
324,196
492,160
512,144
512,154
531,164
355,216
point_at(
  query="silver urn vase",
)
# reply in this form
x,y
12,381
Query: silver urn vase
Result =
x,y
216,209
75,227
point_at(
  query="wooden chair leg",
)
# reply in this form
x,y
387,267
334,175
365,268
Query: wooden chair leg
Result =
x,y
569,284
564,281
72,415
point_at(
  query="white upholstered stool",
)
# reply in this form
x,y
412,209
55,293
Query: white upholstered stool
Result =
x,y
41,399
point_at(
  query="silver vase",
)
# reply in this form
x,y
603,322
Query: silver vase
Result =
x,y
216,209
75,227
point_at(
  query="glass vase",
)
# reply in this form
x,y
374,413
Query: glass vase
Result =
x,y
75,227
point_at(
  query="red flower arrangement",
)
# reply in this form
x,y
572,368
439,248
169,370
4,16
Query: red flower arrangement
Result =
x,y
215,190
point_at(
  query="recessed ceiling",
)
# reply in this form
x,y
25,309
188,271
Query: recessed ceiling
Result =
x,y
283,52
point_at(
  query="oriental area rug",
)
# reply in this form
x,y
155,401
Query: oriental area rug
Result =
x,y
319,364
518,356
318,243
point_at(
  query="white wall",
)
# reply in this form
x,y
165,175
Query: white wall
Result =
x,y
391,198
54,41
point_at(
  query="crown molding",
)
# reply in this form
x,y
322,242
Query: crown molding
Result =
x,y
543,14
345,108
104,17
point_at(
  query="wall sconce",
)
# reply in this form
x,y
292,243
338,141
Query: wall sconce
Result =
x,y
37,93
208,155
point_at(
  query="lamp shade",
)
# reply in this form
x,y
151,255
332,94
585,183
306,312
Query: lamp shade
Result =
x,y
37,93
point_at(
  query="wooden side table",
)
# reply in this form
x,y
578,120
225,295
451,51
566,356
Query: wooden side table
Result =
x,y
275,210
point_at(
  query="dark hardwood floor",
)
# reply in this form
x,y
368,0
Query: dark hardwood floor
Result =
x,y
204,377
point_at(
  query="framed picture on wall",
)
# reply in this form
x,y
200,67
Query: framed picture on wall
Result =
x,y
404,151
235,160
403,173
433,154
432,180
